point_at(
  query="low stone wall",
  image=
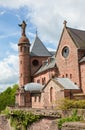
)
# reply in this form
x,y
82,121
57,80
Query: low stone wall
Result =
x,y
73,126
4,123
44,124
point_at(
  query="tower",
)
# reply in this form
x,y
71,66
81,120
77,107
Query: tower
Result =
x,y
24,57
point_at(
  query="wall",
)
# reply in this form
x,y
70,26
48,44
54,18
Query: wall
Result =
x,y
82,70
73,126
46,74
44,124
40,60
68,67
4,123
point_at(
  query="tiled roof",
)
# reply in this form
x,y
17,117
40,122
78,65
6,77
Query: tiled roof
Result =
x,y
78,37
33,87
48,64
38,48
66,83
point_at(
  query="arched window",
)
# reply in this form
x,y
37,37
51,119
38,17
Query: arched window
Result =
x,y
21,49
51,94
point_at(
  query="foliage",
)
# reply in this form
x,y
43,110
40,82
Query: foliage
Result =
x,y
7,98
66,104
74,117
19,119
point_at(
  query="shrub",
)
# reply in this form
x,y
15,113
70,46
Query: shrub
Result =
x,y
66,104
74,117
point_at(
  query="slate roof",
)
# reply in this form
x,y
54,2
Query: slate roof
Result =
x,y
38,48
82,60
47,65
78,37
66,83
33,87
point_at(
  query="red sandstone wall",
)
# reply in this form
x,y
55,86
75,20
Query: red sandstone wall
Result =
x,y
47,75
24,65
68,67
40,60
82,71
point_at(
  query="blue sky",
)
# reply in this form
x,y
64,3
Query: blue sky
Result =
x,y
45,16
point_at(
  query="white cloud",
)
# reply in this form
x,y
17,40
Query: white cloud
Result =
x,y
14,46
9,71
2,12
48,16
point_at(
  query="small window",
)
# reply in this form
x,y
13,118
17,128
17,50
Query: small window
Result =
x,y
66,75
21,62
63,76
25,49
39,98
38,81
51,94
35,99
70,76
43,81
20,49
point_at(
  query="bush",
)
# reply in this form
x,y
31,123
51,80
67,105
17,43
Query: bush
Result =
x,y
66,104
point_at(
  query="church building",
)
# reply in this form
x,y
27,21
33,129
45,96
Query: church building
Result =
x,y
46,77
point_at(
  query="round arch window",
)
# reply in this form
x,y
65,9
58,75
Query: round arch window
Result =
x,y
35,62
65,52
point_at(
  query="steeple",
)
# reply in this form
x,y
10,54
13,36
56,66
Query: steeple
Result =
x,y
65,22
36,32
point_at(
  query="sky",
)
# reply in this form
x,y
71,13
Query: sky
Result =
x,y
45,16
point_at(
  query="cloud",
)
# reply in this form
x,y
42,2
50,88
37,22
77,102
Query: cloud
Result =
x,y
2,12
9,70
14,46
48,16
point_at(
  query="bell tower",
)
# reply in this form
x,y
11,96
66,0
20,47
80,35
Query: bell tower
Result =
x,y
24,57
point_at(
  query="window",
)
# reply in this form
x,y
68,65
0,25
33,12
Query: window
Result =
x,y
35,62
21,49
65,52
63,76
66,75
38,81
35,99
43,81
21,62
70,76
25,49
39,98
51,94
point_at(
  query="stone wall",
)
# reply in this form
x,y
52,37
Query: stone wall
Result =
x,y
4,123
44,124
73,126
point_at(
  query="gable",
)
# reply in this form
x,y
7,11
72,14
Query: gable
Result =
x,y
65,39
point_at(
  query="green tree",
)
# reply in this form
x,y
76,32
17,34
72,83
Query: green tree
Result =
x,y
7,98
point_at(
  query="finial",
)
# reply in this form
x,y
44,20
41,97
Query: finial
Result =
x,y
23,27
36,32
65,22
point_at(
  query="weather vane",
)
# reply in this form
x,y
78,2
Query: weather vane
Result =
x,y
23,27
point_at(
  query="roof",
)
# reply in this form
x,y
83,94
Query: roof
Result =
x,y
33,87
48,64
38,48
82,59
78,37
66,83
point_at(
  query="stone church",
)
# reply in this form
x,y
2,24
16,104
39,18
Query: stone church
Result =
x,y
47,77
